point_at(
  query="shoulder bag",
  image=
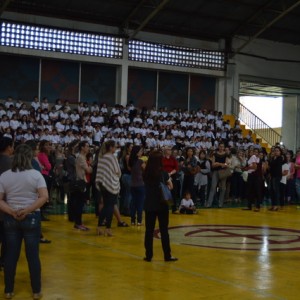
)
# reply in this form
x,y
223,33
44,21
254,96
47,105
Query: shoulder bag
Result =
x,y
165,193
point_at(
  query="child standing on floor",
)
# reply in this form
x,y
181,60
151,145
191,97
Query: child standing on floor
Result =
x,y
187,205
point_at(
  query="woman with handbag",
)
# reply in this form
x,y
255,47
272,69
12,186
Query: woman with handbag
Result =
x,y
220,173
154,206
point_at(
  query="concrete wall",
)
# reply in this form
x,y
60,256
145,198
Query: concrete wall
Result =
x,y
289,121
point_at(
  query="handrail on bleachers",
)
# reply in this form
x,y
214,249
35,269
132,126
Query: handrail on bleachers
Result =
x,y
256,124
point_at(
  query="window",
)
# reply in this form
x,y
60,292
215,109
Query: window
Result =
x,y
177,56
60,40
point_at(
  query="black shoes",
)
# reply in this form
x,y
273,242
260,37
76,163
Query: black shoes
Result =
x,y
166,259
45,241
171,259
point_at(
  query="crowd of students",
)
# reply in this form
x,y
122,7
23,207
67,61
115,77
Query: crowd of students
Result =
x,y
62,123
119,157
196,144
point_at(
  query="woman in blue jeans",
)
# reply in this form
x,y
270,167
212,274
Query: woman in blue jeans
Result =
x,y
137,166
25,192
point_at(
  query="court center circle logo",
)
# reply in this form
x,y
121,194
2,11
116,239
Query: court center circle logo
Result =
x,y
235,237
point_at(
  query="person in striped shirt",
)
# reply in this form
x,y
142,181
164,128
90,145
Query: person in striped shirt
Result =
x,y
108,182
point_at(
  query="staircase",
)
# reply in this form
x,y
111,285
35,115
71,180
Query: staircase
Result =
x,y
261,130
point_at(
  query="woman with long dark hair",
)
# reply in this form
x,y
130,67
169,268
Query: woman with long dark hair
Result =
x,y
219,164
136,166
22,192
154,207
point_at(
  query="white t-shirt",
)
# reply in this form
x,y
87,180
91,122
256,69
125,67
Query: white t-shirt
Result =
x,y
285,167
186,203
253,159
20,188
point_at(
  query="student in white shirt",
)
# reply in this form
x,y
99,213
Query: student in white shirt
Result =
x,y
187,205
9,102
45,103
14,123
35,103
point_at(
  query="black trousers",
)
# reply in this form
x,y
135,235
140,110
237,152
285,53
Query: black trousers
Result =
x,y
163,221
254,190
78,204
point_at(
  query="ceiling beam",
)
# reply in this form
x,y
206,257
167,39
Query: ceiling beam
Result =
x,y
152,15
267,26
251,18
4,6
131,14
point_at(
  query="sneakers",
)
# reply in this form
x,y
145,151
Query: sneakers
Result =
x,y
8,295
37,296
81,227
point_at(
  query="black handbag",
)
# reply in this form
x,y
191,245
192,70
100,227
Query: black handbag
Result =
x,y
78,185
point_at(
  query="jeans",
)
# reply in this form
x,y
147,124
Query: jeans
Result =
x,y
298,189
213,189
107,211
2,243
163,220
28,229
126,181
137,203
202,194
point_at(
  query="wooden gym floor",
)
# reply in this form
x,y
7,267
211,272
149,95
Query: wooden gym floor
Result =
x,y
223,254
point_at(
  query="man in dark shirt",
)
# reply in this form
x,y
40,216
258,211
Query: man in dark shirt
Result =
x,y
276,163
6,151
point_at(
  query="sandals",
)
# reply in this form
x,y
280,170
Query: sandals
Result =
x,y
122,224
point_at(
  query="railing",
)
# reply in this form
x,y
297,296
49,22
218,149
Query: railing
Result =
x,y
256,124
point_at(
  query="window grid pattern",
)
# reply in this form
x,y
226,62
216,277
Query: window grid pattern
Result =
x,y
60,40
177,56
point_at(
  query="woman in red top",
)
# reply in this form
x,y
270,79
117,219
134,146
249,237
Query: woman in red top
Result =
x,y
43,158
170,165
